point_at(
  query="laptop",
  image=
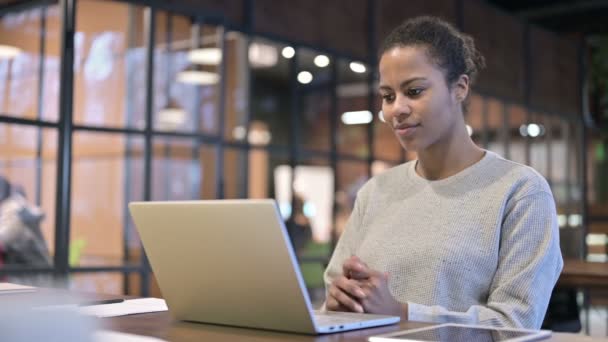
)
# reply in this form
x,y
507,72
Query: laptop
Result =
x,y
230,262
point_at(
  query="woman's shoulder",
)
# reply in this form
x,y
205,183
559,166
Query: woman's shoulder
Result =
x,y
388,179
522,179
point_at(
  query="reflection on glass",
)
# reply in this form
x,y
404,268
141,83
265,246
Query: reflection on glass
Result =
x,y
271,95
517,135
107,55
354,115
99,171
474,118
20,63
25,192
176,173
496,131
305,197
234,176
351,177
188,60
313,182
314,103
106,282
237,80
537,132
559,156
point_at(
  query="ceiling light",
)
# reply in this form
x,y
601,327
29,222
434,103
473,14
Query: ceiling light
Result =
x,y
575,220
7,51
523,130
259,137
288,52
321,61
171,116
533,130
357,67
198,77
304,77
357,118
262,55
239,132
562,220
206,56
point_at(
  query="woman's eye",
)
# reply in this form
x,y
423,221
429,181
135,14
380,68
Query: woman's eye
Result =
x,y
388,97
414,91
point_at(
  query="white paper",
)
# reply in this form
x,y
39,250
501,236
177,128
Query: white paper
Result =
x,y
6,288
128,307
114,336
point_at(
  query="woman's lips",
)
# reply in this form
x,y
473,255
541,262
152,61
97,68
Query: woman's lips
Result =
x,y
406,130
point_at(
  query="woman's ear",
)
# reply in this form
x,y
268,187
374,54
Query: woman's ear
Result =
x,y
461,88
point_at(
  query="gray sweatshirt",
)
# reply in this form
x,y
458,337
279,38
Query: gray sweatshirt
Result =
x,y
478,247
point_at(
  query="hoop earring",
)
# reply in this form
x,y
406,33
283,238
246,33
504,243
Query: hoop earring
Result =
x,y
381,116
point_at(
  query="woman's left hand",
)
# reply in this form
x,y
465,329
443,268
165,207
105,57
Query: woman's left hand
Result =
x,y
378,298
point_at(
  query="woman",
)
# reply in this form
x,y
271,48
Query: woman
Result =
x,y
459,235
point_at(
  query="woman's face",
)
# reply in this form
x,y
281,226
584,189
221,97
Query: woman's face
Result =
x,y
416,101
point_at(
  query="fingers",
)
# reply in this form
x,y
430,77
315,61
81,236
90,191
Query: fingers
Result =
x,y
345,293
350,287
332,304
354,268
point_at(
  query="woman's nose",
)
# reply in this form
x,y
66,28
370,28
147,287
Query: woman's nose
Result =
x,y
401,107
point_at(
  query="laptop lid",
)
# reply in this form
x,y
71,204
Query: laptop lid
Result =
x,y
225,262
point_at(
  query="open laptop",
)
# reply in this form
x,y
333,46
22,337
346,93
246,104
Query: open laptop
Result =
x,y
230,262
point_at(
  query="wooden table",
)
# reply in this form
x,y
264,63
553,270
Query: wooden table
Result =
x,y
584,274
162,326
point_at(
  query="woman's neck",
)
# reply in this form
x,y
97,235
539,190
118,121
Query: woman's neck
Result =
x,y
447,158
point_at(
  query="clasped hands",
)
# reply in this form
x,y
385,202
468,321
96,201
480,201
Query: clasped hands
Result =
x,y
364,290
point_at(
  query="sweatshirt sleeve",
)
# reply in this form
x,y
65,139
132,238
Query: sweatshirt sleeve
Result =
x,y
529,265
347,244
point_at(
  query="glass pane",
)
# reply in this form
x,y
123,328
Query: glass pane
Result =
x,y
109,65
207,160
134,174
386,144
310,216
237,83
474,117
559,161
354,115
99,194
517,133
313,184
27,172
106,283
314,102
270,91
351,177
176,173
133,285
187,83
496,127
235,166
23,69
538,143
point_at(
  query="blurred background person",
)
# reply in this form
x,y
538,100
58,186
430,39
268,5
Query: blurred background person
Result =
x,y
21,240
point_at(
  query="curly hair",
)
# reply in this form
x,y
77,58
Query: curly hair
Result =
x,y
453,51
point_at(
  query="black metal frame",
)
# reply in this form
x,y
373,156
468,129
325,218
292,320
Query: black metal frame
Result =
x,y
66,127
